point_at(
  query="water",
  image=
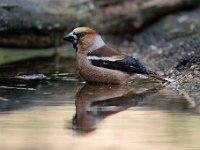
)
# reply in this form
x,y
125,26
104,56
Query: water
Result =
x,y
60,111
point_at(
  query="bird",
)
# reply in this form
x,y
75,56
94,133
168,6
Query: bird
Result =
x,y
99,63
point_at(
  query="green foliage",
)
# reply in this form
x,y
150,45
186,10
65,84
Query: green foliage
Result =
x,y
13,55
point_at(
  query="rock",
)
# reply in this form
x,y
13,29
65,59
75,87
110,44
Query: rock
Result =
x,y
39,24
191,62
131,15
35,23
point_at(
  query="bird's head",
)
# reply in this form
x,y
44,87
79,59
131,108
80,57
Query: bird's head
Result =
x,y
84,39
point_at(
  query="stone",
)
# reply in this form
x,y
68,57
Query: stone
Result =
x,y
42,24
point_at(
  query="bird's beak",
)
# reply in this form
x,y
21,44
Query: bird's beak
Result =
x,y
71,37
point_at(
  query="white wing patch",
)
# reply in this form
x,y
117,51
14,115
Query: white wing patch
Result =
x,y
101,58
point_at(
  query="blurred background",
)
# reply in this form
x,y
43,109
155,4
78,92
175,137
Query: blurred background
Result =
x,y
39,85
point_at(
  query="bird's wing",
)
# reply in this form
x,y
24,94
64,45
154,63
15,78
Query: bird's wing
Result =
x,y
107,57
120,62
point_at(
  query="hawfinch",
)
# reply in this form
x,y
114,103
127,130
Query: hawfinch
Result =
x,y
97,62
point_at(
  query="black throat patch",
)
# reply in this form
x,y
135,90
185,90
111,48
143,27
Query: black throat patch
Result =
x,y
75,47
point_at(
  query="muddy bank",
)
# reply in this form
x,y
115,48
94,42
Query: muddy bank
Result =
x,y
171,46
39,24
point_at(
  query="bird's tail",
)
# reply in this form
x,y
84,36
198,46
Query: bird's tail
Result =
x,y
157,76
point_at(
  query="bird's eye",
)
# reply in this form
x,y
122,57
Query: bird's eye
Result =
x,y
82,34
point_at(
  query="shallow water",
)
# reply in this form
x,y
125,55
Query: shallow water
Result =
x,y
60,111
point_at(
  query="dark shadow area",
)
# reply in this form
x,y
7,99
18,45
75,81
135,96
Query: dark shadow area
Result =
x,y
23,95
39,65
39,81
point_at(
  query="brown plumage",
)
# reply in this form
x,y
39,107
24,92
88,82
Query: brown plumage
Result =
x,y
97,62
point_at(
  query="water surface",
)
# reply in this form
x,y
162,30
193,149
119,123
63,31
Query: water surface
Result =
x,y
59,111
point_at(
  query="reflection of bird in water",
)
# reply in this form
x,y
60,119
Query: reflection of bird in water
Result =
x,y
97,62
96,102
87,117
